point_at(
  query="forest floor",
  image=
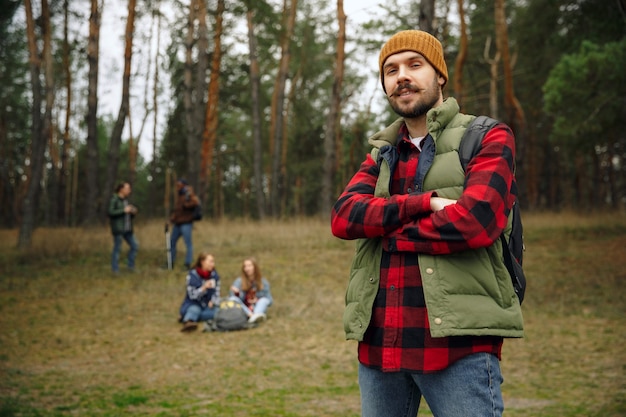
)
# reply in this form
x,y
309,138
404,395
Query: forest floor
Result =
x,y
77,340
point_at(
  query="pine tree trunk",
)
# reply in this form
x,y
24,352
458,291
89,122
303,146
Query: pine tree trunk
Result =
x,y
192,139
278,99
47,126
27,224
255,86
332,135
209,134
285,148
200,87
427,16
515,114
63,193
493,79
116,135
154,163
459,92
91,164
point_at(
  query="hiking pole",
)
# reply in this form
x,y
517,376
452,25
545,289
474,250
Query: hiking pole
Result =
x,y
168,246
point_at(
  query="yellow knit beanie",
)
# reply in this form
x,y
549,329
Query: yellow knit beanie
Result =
x,y
414,40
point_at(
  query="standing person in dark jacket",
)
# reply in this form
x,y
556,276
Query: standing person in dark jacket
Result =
x,y
202,295
182,219
429,298
121,214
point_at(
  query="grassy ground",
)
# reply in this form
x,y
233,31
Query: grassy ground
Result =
x,y
75,340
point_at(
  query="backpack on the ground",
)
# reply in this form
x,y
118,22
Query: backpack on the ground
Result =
x,y
513,247
230,316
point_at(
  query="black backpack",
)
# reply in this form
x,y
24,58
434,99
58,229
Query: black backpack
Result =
x,y
513,248
197,212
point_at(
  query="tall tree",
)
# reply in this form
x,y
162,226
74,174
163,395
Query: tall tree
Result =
x,y
332,134
15,112
461,57
64,170
493,78
49,80
91,164
255,87
209,133
40,127
200,88
154,185
427,16
118,128
515,113
278,102
190,99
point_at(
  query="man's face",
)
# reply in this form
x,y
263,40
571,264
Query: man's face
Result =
x,y
126,190
412,84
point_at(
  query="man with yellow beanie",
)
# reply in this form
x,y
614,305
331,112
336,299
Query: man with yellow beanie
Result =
x,y
429,298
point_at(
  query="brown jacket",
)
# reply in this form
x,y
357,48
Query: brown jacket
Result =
x,y
184,207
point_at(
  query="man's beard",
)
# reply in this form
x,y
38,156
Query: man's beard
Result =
x,y
427,101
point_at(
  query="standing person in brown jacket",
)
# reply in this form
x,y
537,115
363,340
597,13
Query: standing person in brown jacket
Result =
x,y
182,219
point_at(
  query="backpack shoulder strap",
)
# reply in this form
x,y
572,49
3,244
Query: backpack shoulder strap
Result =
x,y
473,138
512,245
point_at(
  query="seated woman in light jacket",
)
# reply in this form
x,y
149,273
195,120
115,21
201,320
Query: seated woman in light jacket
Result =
x,y
252,291
202,295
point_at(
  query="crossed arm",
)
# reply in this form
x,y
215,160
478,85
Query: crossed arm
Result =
x,y
424,222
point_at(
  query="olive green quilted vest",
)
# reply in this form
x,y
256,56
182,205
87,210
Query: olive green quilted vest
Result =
x,y
466,293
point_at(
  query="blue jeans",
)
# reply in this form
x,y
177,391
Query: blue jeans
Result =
x,y
117,246
197,313
469,387
259,308
183,230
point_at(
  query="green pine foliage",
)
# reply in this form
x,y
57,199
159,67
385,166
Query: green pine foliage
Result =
x,y
583,116
568,60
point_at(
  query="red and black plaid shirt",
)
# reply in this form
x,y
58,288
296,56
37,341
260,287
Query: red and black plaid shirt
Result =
x,y
398,337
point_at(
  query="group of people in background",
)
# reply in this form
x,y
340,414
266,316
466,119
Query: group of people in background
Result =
x,y
202,297
122,213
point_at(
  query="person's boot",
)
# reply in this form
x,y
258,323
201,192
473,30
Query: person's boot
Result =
x,y
189,326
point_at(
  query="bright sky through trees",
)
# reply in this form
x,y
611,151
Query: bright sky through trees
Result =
x,y
112,61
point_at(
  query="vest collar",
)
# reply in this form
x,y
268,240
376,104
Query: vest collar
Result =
x,y
439,117
436,120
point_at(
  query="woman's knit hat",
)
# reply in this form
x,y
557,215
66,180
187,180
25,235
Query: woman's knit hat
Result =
x,y
414,40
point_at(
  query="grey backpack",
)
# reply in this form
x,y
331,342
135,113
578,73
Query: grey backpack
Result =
x,y
230,316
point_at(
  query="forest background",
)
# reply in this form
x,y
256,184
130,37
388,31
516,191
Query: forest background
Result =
x,y
262,105
265,107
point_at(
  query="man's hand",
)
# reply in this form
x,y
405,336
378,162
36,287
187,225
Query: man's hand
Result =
x,y
130,209
438,203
